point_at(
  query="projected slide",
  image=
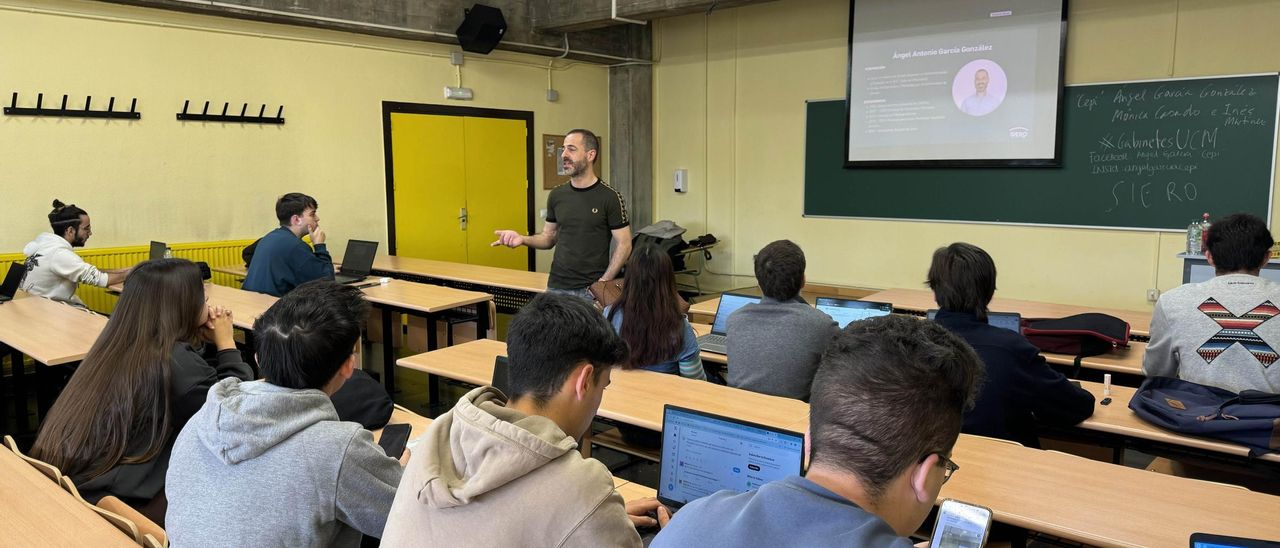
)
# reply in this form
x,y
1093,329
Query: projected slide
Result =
x,y
940,80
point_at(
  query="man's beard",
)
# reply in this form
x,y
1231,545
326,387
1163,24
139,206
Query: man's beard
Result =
x,y
576,169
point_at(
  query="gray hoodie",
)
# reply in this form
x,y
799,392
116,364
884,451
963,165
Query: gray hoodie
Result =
x,y
485,475
263,465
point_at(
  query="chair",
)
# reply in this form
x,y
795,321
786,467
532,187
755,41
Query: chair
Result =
x,y
149,541
50,471
125,525
148,528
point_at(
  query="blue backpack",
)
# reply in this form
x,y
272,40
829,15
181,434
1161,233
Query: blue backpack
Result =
x,y
1250,418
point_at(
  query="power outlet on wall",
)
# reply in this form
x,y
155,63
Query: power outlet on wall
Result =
x,y
1152,295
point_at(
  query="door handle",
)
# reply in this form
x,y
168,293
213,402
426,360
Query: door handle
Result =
x,y
462,219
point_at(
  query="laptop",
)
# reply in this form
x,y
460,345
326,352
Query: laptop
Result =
x,y
358,261
11,281
501,379
1204,540
1004,320
846,311
158,250
729,302
703,453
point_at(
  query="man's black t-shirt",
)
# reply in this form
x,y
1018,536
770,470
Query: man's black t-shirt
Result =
x,y
584,220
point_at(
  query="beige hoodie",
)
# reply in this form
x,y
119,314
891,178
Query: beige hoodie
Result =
x,y
485,475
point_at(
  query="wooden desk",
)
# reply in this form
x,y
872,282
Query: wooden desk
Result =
x,y
1120,360
919,300
399,296
37,512
704,311
1119,420
633,397
245,306
518,280
632,491
234,270
1102,504
51,333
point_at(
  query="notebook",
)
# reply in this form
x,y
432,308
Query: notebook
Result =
x,y
846,311
358,261
729,302
1004,320
703,453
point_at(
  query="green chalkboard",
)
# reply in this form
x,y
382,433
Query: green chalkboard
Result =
x,y
1135,155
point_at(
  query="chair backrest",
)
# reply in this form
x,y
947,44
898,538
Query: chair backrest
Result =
x,y
50,471
146,527
120,522
149,541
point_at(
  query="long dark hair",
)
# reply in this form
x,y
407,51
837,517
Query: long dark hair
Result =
x,y
120,393
652,323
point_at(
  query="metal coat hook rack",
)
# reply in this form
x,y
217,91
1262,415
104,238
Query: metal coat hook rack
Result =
x,y
242,118
14,110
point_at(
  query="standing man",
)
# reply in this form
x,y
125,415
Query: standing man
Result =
x,y
281,261
582,217
53,268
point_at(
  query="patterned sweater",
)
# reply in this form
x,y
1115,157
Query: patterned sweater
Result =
x,y
1221,332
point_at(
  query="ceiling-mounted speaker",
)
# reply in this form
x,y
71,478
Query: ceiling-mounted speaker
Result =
x,y
481,29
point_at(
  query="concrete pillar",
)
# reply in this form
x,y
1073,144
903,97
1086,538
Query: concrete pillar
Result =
x,y
630,140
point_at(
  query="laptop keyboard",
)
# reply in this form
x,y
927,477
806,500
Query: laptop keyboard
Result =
x,y
713,343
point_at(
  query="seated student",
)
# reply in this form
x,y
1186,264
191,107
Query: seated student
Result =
x,y
886,409
1021,389
281,261
112,429
1220,332
492,472
658,334
774,345
53,269
268,463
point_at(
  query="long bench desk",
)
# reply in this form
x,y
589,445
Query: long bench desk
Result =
x,y
1123,360
511,288
629,398
51,333
1071,497
918,301
37,512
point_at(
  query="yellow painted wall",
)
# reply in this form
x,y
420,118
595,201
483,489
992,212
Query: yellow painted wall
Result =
x,y
184,182
729,99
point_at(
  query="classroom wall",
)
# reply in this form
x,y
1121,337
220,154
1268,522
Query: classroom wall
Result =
x,y
181,182
729,106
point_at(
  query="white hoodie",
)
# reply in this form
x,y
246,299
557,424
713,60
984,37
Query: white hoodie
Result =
x,y
54,270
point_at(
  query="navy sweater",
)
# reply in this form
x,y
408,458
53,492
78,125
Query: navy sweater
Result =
x,y
1020,390
281,261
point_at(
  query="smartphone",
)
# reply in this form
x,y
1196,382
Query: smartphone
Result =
x,y
960,525
393,440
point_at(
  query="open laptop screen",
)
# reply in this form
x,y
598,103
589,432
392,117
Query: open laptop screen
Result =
x,y
703,453
846,311
358,260
157,250
1004,320
501,377
728,303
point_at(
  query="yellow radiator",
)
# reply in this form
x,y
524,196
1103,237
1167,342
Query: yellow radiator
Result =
x,y
223,253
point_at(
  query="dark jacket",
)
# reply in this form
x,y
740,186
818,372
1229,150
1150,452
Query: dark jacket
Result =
x,y
191,375
280,261
1020,390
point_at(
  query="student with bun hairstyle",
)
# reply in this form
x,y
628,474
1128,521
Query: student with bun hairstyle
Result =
x,y
53,268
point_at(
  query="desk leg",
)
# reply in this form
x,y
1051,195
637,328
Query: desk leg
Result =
x,y
482,320
388,354
4,404
46,391
433,343
20,390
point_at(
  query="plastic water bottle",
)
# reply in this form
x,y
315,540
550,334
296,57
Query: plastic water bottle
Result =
x,y
1194,232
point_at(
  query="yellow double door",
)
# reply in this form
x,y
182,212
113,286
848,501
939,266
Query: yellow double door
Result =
x,y
457,179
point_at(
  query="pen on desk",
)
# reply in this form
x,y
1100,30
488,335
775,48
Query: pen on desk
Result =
x,y
1106,384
